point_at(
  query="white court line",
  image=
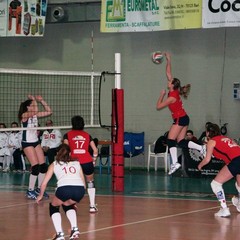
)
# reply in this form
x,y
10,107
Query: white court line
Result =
x,y
144,221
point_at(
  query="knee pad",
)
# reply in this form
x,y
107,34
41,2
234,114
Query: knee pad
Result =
x,y
53,209
66,208
183,143
43,168
217,189
35,170
90,184
171,143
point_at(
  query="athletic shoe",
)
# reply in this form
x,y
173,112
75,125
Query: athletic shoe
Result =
x,y
31,194
223,212
204,150
236,203
59,236
7,169
45,195
93,209
174,168
74,233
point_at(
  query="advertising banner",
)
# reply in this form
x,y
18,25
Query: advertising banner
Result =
x,y
22,17
221,13
150,15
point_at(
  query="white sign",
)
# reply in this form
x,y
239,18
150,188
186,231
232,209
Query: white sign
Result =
x,y
220,13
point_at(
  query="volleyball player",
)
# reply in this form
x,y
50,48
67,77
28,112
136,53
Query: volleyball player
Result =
x,y
79,142
178,130
28,115
224,148
70,190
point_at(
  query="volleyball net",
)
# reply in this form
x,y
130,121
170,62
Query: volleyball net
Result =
x,y
68,93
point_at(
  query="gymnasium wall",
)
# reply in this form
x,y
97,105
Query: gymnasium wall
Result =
x,y
208,59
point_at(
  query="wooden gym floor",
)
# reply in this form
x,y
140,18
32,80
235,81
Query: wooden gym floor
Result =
x,y
153,206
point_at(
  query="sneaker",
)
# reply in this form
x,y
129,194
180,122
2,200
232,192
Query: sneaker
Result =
x,y
74,233
59,236
236,203
204,150
174,168
223,212
45,195
7,169
93,209
31,194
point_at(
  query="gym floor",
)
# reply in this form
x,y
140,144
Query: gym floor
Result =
x,y
153,206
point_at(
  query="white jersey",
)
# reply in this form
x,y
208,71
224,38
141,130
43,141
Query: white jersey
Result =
x,y
15,139
51,139
4,150
30,136
68,173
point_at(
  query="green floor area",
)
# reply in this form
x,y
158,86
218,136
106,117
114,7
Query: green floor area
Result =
x,y
136,183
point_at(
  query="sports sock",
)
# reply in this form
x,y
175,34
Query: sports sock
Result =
x,y
57,222
72,217
173,153
91,194
32,182
194,145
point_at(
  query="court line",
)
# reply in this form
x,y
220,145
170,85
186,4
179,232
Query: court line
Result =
x,y
144,221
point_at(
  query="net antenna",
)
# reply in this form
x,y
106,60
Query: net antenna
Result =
x,y
68,93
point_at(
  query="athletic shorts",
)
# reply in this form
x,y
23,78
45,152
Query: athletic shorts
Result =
x,y
27,144
88,168
234,166
182,121
75,193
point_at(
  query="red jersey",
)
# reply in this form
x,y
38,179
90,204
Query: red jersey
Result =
x,y
176,108
79,143
225,149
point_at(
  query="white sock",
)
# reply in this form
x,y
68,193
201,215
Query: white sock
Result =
x,y
194,145
91,194
72,217
32,182
40,179
173,153
57,222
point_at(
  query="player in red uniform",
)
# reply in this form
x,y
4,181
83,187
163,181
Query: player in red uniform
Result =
x,y
79,142
178,130
226,149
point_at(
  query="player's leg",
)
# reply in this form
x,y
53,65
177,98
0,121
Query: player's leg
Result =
x,y
172,145
32,158
223,176
88,170
43,167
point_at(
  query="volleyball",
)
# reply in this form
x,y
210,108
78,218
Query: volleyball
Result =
x,y
157,57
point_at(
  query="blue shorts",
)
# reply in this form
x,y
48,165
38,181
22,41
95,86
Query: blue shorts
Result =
x,y
182,121
234,166
88,168
27,144
75,193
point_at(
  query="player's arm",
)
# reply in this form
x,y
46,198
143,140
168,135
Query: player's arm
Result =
x,y
210,146
48,110
95,150
161,103
168,67
47,177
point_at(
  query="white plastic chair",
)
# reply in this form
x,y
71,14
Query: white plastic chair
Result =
x,y
165,156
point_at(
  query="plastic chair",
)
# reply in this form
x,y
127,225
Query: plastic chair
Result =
x,y
165,156
104,153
